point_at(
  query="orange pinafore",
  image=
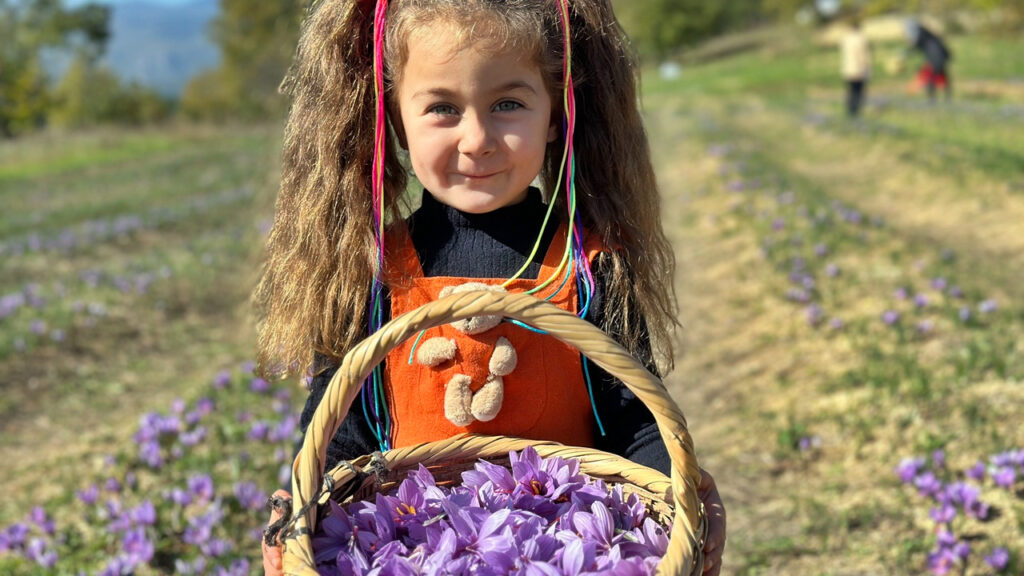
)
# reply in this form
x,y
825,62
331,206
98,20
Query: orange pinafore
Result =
x,y
544,396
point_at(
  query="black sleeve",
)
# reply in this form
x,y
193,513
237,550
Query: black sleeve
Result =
x,y
629,427
354,437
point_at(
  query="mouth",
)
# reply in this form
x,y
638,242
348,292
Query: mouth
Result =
x,y
478,175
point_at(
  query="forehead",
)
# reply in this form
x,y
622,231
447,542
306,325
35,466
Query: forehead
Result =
x,y
443,54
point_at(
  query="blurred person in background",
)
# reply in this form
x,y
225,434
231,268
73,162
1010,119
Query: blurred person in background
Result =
x,y
935,72
855,66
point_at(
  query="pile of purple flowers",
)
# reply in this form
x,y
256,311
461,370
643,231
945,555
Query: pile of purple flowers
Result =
x,y
956,496
540,517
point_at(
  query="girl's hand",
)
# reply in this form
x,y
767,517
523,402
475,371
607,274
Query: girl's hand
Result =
x,y
714,544
272,555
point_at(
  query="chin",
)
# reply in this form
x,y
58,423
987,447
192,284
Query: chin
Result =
x,y
479,201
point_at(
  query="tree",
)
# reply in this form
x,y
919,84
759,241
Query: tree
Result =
x,y
29,27
257,40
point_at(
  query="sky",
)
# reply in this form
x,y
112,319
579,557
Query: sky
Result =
x,y
73,3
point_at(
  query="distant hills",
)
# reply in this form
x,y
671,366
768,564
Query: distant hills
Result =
x,y
161,46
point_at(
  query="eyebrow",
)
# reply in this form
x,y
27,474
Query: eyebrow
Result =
x,y
446,93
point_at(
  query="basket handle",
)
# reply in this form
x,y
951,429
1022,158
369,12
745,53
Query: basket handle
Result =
x,y
308,469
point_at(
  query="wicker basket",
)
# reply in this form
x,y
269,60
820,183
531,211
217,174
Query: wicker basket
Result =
x,y
677,497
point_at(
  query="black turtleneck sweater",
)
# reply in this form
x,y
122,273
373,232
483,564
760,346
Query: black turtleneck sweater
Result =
x,y
494,245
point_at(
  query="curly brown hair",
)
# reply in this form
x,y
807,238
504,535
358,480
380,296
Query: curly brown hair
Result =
x,y
321,254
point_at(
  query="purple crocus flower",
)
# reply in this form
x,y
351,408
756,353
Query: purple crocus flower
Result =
x,y
38,552
814,315
964,313
138,549
222,379
987,306
976,472
927,484
259,385
89,496
39,517
920,301
836,323
943,514
144,514
998,559
938,283
939,458
890,317
962,550
831,270
1004,477
249,495
201,485
908,467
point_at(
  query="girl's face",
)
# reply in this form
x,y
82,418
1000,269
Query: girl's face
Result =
x,y
476,122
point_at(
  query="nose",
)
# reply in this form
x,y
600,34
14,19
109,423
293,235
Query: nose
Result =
x,y
477,138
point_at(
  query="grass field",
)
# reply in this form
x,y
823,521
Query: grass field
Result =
x,y
850,293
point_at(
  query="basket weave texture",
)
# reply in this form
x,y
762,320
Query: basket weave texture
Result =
x,y
664,497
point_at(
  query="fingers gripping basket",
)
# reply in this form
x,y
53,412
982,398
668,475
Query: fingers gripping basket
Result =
x,y
676,496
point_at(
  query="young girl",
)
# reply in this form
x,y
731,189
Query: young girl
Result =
x,y
486,97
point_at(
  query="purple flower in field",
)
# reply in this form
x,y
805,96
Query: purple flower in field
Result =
x,y
178,406
778,224
927,484
836,323
924,326
38,552
831,270
205,406
259,385
998,559
258,430
943,514
178,496
138,549
1004,477
239,567
938,283
808,443
920,301
941,561
939,458
38,327
15,535
944,538
890,317
201,485
820,250
150,454
222,379
284,429
900,294
89,496
249,495
977,509
987,306
39,517
964,313
215,547
193,437
112,485
798,295
976,472
247,367
814,315
908,468
144,514
962,550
